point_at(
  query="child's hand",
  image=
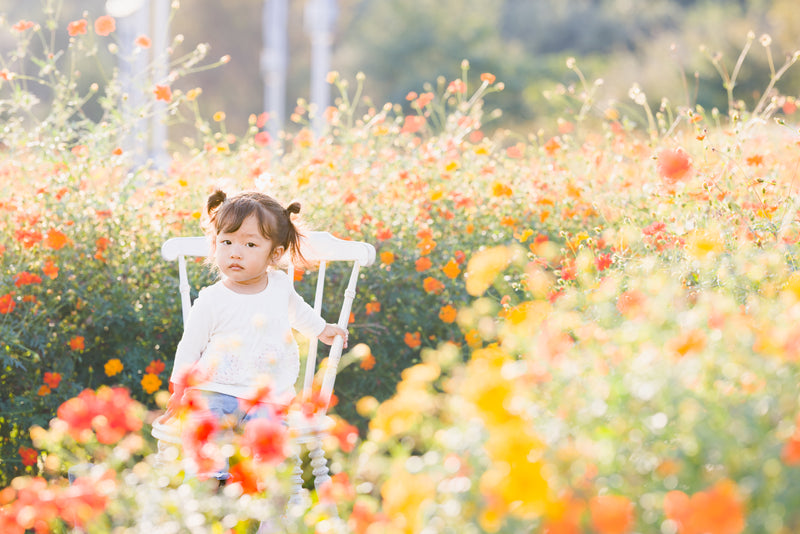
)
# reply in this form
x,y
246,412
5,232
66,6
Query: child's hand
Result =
x,y
330,332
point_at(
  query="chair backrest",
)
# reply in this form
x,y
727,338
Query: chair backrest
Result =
x,y
319,247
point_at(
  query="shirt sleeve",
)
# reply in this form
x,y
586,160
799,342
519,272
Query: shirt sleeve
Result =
x,y
303,317
196,334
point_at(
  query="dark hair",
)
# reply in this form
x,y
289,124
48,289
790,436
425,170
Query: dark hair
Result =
x,y
226,214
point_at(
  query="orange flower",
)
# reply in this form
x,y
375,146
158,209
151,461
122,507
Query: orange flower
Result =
x,y
630,302
457,86
413,340
113,367
55,239
50,269
516,151
552,146
368,362
611,514
673,165
501,190
77,27
412,124
432,285
387,258
150,383
755,160
448,313
52,379
77,343
22,25
7,303
104,25
488,78
373,307
691,341
718,510
451,269
383,234
423,264
163,92
43,391
143,41
426,246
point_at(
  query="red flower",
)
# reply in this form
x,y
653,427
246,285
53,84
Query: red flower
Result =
x,y
345,433
266,439
262,139
109,412
52,379
77,27
25,278
603,262
245,474
488,78
7,303
28,238
155,367
29,456
673,165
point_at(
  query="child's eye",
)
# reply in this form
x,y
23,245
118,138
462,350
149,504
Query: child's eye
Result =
x,y
226,241
252,245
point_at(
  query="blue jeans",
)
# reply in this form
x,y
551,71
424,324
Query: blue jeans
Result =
x,y
228,410
224,406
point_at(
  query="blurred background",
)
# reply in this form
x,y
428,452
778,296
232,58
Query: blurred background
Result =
x,y
402,45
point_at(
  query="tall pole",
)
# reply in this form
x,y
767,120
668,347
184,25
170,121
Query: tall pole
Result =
x,y
274,20
158,125
132,18
320,16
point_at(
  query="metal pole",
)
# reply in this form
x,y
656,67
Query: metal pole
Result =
x,y
132,18
274,59
158,125
320,16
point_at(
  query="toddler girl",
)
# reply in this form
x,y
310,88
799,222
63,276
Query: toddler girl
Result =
x,y
238,336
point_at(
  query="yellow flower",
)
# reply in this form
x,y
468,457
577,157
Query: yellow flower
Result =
x,y
151,383
113,367
219,116
404,497
701,243
485,265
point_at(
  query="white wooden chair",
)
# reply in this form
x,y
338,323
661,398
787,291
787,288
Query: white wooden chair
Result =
x,y
319,247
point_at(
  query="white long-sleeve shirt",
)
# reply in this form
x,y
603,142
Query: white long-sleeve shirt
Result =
x,y
240,342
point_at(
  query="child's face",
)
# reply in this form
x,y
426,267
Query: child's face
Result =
x,y
244,256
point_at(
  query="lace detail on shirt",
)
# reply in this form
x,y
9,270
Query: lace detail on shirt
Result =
x,y
278,364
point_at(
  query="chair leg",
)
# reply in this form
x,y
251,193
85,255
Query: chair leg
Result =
x,y
320,471
297,479
319,463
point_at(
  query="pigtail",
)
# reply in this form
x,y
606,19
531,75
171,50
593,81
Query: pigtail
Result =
x,y
293,234
215,200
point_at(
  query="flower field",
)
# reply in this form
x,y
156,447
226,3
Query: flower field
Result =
x,y
592,329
